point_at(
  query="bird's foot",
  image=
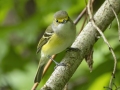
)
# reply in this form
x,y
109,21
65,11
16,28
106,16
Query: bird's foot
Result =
x,y
72,49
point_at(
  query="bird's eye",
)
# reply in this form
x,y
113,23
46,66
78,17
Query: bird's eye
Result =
x,y
56,20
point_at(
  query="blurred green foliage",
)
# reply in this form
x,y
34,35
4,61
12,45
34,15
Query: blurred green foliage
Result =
x,y
22,23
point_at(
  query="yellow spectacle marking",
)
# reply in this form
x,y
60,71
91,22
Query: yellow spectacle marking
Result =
x,y
62,20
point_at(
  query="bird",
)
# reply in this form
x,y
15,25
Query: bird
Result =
x,y
57,37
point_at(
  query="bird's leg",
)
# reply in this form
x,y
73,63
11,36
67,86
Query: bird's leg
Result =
x,y
53,60
57,64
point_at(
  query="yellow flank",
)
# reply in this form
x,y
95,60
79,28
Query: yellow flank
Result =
x,y
54,45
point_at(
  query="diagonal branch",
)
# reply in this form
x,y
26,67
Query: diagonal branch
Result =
x,y
84,42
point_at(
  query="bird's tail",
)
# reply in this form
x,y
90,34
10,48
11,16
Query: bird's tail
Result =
x,y
40,69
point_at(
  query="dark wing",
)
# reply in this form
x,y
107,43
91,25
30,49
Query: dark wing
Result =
x,y
46,36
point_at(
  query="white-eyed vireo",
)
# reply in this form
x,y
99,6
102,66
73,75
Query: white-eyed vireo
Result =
x,y
57,37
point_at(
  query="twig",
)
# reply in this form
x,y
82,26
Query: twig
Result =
x,y
118,34
35,86
105,40
85,20
116,19
80,15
